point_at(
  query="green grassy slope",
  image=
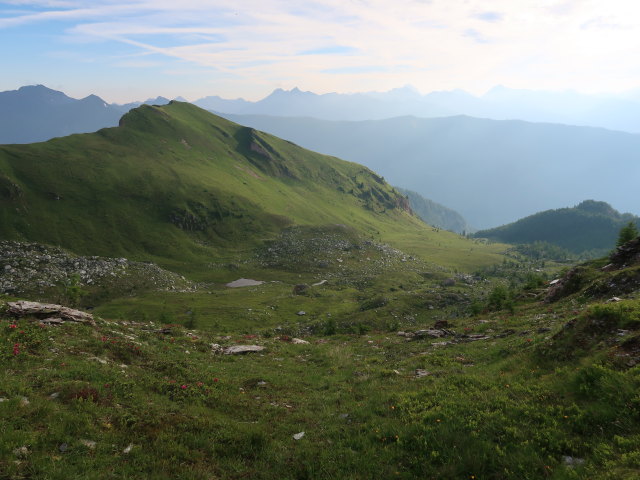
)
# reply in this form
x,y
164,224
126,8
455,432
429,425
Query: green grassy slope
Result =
x,y
178,185
543,390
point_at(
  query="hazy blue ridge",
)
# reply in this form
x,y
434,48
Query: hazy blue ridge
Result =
x,y
491,172
615,112
36,113
435,214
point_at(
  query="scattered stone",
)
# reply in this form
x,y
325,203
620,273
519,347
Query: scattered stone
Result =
x,y
405,334
614,300
90,444
27,268
430,333
322,282
475,337
298,436
449,282
572,461
127,448
54,395
24,307
506,333
52,321
440,324
63,447
301,313
21,451
103,361
422,373
242,349
299,341
216,348
300,289
24,401
244,282
3,399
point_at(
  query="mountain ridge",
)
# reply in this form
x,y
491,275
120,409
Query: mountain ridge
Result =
x,y
177,184
591,228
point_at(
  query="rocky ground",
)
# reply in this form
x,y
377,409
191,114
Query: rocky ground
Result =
x,y
32,267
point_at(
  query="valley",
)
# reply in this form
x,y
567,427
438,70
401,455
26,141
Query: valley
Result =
x,y
376,346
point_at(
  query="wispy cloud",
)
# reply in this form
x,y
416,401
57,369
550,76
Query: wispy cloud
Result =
x,y
488,16
357,69
475,35
332,50
338,44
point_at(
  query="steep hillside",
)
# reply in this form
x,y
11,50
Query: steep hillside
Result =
x,y
435,214
178,184
491,172
590,226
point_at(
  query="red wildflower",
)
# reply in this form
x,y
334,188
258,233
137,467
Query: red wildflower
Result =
x,y
215,379
13,325
16,348
183,387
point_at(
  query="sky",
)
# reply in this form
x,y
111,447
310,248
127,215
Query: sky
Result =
x,y
137,49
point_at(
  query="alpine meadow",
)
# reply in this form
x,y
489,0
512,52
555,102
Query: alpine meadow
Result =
x,y
239,279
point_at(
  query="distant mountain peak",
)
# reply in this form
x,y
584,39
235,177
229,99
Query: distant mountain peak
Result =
x,y
598,207
94,99
294,91
40,91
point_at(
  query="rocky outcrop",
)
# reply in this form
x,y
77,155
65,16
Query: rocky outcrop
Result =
x,y
48,311
626,255
35,268
236,349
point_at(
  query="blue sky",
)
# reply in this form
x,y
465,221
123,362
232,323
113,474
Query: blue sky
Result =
x,y
124,51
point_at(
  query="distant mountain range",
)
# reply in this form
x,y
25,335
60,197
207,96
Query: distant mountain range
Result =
x,y
37,113
590,226
500,103
491,172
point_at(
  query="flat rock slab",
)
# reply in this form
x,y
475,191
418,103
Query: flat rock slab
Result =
x,y
431,333
242,349
49,311
244,282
